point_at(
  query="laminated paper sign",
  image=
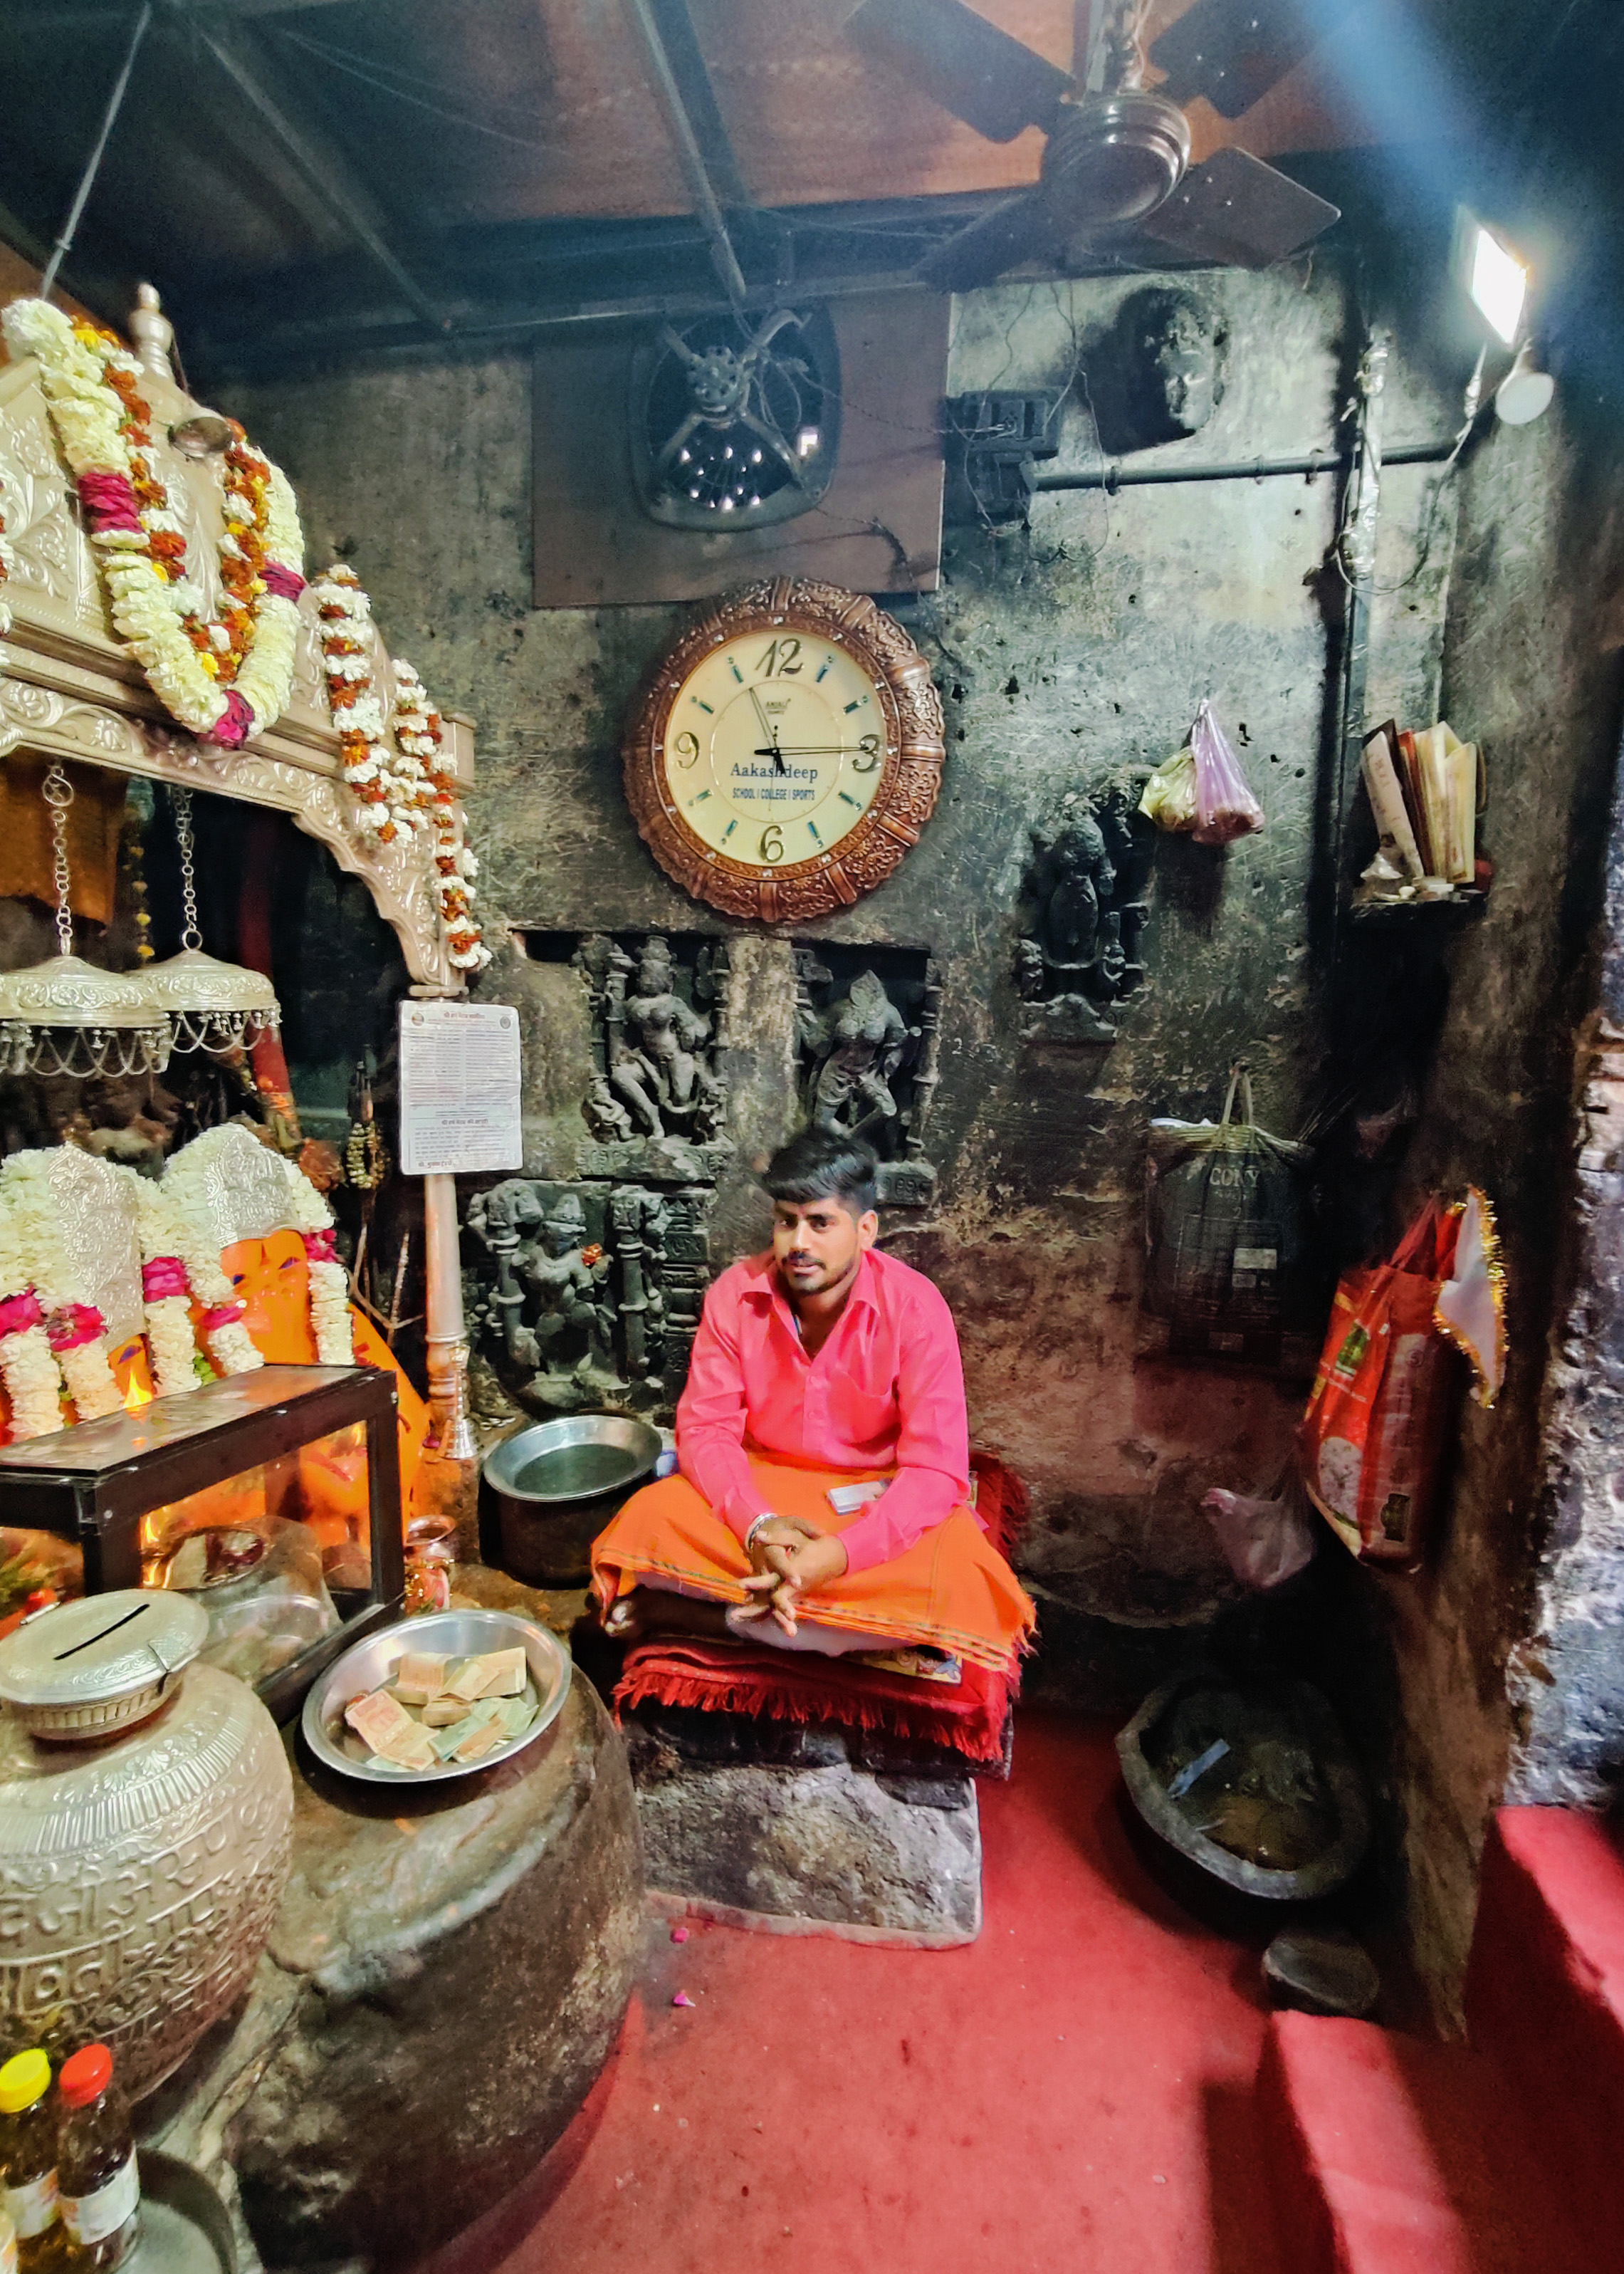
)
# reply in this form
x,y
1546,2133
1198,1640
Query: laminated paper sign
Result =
x,y
459,1089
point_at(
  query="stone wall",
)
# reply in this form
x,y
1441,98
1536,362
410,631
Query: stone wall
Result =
x,y
1529,1536
1062,652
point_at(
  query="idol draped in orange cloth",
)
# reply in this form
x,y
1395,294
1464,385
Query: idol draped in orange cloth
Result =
x,y
822,1364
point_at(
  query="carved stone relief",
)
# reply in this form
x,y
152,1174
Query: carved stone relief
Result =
x,y
1083,913
869,1066
657,1106
596,1291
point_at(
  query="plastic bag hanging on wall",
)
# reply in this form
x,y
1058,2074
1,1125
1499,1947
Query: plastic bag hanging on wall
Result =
x,y
1225,808
1201,791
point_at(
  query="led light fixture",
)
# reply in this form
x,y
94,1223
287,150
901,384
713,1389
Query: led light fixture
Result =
x,y
1493,276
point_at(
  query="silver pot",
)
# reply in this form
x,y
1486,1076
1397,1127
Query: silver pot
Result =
x,y
550,1488
146,1818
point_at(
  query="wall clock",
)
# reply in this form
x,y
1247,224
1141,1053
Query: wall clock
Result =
x,y
786,753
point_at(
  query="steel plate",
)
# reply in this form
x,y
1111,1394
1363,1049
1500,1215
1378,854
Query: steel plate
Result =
x,y
460,1634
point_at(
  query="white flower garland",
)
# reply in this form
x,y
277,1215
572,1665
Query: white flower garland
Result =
x,y
32,1384
171,1339
26,1190
192,1229
391,791
8,562
309,1213
92,386
28,1362
405,792
419,731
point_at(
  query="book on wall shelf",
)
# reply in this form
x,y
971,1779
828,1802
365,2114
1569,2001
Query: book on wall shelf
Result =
x,y
1426,791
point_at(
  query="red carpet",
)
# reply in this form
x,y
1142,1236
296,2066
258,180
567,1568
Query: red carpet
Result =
x,y
1071,2095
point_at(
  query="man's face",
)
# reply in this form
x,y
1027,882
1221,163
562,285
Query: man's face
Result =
x,y
816,1244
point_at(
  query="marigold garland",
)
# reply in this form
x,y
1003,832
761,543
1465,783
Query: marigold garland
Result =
x,y
227,679
407,791
418,730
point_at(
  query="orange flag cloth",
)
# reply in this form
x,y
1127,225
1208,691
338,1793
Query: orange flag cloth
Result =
x,y
951,1589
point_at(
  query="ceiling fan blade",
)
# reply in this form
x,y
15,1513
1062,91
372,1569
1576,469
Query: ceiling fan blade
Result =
x,y
963,63
1017,231
1233,51
1240,213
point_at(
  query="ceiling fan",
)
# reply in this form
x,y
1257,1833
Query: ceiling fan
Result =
x,y
1115,165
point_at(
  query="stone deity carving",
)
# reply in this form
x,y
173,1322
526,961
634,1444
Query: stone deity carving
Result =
x,y
1085,911
868,1073
857,1045
546,1268
1169,348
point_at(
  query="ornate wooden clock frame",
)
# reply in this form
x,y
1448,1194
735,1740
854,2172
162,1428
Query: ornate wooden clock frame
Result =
x,y
911,772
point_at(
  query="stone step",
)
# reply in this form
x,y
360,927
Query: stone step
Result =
x,y
1391,2155
1544,1991
817,1847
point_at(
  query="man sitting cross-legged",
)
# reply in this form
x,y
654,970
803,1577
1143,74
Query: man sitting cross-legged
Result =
x,y
824,1363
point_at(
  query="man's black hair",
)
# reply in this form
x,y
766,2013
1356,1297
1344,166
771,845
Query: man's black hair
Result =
x,y
820,1165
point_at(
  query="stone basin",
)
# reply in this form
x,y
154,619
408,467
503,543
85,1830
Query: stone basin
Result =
x,y
1288,1769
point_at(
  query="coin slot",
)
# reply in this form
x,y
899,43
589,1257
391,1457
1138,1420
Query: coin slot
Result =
x,y
140,1612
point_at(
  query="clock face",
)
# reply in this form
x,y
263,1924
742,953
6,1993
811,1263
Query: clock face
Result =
x,y
787,752
775,747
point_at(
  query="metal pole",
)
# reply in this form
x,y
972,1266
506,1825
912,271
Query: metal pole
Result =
x,y
322,177
1113,477
690,157
88,181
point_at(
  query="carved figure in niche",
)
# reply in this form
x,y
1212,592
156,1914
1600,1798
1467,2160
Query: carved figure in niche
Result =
x,y
1079,953
868,1073
861,1041
1162,376
656,1063
547,1268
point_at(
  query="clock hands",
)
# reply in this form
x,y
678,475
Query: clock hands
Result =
x,y
805,750
771,732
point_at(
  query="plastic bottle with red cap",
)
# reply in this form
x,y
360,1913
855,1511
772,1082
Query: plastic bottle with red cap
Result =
x,y
100,2191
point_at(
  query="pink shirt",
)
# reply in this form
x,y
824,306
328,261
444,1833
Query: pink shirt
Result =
x,y
885,1392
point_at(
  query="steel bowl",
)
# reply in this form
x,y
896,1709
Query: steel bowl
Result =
x,y
580,1457
460,1634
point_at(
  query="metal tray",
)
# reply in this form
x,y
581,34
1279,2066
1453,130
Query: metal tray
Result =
x,y
579,1458
460,1634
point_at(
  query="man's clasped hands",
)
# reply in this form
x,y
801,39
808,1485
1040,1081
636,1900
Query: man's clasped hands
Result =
x,y
789,1558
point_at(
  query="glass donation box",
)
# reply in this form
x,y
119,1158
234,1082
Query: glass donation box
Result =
x,y
272,1498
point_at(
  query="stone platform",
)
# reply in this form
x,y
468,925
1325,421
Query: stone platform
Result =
x,y
806,1843
447,1972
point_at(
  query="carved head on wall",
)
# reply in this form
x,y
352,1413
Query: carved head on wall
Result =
x,y
1170,348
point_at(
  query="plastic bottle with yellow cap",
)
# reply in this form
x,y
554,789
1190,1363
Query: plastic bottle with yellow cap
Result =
x,y
28,2161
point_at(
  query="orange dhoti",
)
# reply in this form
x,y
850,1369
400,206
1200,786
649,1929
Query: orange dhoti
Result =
x,y
951,1590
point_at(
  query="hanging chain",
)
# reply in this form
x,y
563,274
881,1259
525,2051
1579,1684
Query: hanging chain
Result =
x,y
181,800
58,794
